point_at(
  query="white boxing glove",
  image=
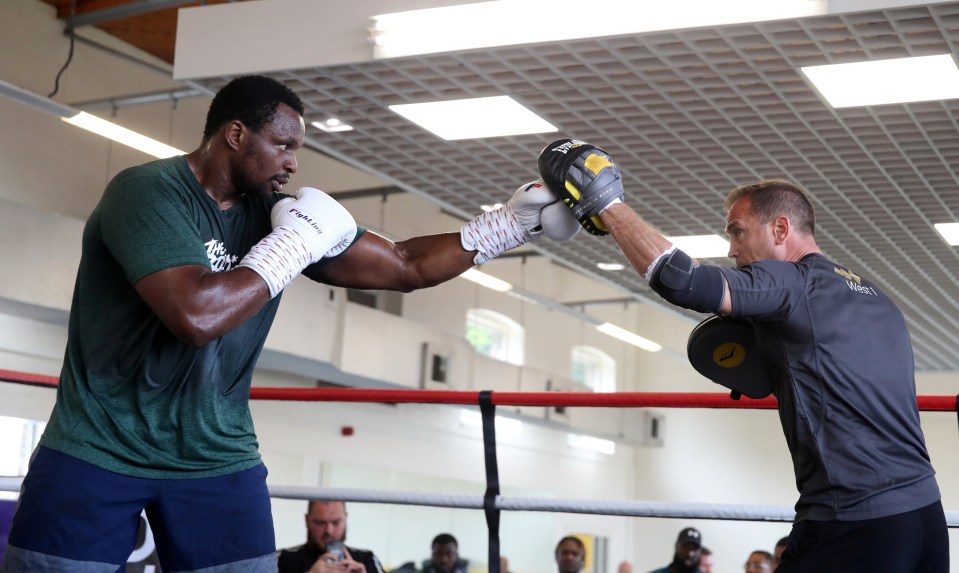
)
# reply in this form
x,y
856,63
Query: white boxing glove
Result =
x,y
305,229
515,223
326,226
541,212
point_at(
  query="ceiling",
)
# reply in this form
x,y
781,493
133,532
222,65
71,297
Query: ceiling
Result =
x,y
688,115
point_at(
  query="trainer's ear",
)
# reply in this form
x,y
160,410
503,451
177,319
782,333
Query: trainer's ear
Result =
x,y
781,229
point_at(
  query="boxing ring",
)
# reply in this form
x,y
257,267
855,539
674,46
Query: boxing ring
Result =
x,y
492,503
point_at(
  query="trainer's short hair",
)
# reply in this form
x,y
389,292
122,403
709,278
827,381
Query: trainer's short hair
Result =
x,y
252,100
774,197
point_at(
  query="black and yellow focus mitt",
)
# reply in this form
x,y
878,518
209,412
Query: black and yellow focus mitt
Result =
x,y
584,177
724,349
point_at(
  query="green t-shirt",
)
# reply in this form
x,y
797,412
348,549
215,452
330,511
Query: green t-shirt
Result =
x,y
132,398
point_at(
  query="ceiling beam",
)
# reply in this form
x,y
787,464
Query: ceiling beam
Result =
x,y
121,11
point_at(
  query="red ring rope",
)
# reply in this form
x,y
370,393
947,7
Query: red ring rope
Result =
x,y
581,399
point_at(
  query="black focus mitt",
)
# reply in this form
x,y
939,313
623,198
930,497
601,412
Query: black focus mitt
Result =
x,y
584,177
724,349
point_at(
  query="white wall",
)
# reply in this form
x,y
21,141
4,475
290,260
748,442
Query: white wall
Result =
x,y
52,175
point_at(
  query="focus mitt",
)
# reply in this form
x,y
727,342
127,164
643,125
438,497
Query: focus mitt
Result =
x,y
584,177
724,349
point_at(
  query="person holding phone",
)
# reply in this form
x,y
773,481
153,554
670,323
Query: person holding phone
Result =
x,y
325,550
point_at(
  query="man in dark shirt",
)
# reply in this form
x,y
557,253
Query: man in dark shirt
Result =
x,y
687,553
445,556
570,555
324,550
840,363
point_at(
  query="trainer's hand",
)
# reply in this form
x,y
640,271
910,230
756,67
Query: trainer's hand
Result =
x,y
540,212
584,177
326,227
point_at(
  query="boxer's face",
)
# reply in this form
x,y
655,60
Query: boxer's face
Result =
x,y
750,240
268,156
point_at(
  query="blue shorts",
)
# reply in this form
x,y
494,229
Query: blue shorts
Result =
x,y
74,516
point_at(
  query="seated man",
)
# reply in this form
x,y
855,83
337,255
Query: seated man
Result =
x,y
570,555
759,561
324,551
686,553
446,557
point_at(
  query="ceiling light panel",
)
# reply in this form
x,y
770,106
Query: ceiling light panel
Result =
x,y
507,22
702,246
949,232
474,118
899,80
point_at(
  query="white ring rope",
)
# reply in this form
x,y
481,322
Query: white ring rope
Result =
x,y
721,511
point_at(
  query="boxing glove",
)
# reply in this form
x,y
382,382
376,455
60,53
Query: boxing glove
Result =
x,y
305,229
515,223
326,227
540,212
584,177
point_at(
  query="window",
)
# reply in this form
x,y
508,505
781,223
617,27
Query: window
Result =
x,y
495,335
593,368
18,438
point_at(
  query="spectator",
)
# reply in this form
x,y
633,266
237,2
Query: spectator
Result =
x,y
324,550
706,562
570,555
759,562
778,552
445,556
686,554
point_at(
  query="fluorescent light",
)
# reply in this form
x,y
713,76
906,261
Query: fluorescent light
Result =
x,y
486,280
611,266
600,445
702,246
122,135
332,125
611,329
508,22
474,118
89,122
949,232
504,426
886,81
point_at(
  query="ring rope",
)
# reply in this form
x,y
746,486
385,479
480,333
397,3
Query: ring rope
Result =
x,y
583,399
626,508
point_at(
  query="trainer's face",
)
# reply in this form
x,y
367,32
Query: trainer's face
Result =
x,y
569,557
326,522
444,557
269,155
749,239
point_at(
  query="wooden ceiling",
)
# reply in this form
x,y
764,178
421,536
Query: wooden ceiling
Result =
x,y
147,24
